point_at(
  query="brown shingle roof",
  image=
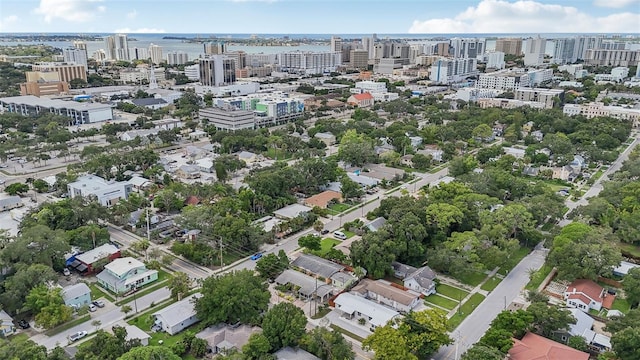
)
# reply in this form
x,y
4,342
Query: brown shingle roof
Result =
x,y
322,199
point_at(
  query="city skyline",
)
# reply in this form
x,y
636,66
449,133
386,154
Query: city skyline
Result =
x,y
315,17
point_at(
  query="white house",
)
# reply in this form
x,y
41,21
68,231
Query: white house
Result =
x,y
6,324
178,316
421,281
356,307
134,332
584,295
384,293
107,193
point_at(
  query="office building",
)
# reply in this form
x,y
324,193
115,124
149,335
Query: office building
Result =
x,y
155,53
540,76
217,70
268,109
66,72
41,83
214,48
308,63
534,52
336,44
177,58
509,46
368,44
545,96
467,48
359,59
228,118
239,57
447,70
117,47
77,112
76,56
386,66
604,57
192,72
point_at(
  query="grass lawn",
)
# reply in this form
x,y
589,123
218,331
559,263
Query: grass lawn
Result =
x,y
326,244
473,278
621,304
491,284
466,309
322,311
19,337
514,259
347,333
145,320
281,154
538,277
340,207
348,233
67,325
98,292
145,291
441,301
630,249
450,291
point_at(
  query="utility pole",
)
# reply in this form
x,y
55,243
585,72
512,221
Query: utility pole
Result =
x,y
148,227
221,263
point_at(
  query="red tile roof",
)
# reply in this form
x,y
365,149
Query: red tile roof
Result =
x,y
363,96
585,300
536,347
587,287
608,301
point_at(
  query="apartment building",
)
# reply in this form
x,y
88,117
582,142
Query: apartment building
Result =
x,y
447,70
605,57
509,46
308,63
534,52
596,109
217,70
544,96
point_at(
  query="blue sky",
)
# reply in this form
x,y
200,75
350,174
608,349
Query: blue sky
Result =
x,y
320,16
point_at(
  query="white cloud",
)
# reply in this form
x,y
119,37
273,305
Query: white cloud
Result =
x,y
614,3
132,15
139,31
8,20
499,16
69,10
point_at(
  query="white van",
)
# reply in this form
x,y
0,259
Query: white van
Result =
x,y
339,235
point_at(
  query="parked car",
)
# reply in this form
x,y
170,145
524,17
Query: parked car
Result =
x,y
77,336
256,256
66,272
23,324
324,232
339,235
98,303
92,308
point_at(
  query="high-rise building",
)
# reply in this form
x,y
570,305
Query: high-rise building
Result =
x,y
192,72
140,53
155,52
99,55
400,51
76,56
336,44
214,48
78,44
259,60
117,47
603,57
509,46
468,48
177,58
359,59
448,71
565,51
217,70
368,44
240,58
309,62
495,60
534,52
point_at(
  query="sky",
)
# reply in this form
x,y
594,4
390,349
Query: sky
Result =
x,y
320,16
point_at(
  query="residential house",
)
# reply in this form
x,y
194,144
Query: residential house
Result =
x,y
407,160
531,170
384,293
363,180
420,279
585,294
624,267
415,141
89,261
135,333
188,172
578,163
536,347
223,338
10,202
6,324
168,124
326,137
442,180
206,165
515,152
135,216
193,152
357,307
292,211
323,199
126,274
139,183
566,173
363,100
289,353
142,134
306,287
323,268
375,224
77,295
584,328
498,129
178,316
538,135
435,153
106,192
248,157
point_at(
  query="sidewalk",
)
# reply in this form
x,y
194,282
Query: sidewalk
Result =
x,y
476,289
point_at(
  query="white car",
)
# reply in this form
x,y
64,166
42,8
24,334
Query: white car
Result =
x,y
77,336
92,308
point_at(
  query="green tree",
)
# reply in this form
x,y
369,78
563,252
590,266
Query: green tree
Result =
x,y
462,165
327,344
256,347
232,297
388,343
17,287
625,343
631,286
482,352
150,352
141,246
40,185
350,189
179,284
48,305
126,309
284,325
311,242
16,189
483,132
618,323
547,319
22,348
442,216
425,331
355,149
271,265
106,346
578,343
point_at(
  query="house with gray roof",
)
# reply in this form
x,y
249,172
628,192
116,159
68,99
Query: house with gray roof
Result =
x,y
126,274
384,293
178,316
421,281
356,307
188,172
6,324
317,266
10,202
223,337
292,211
289,353
375,224
77,295
307,286
135,333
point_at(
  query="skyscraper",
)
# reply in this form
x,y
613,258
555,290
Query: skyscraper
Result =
x,y
214,48
509,46
117,47
155,52
534,52
336,44
76,56
565,51
217,70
